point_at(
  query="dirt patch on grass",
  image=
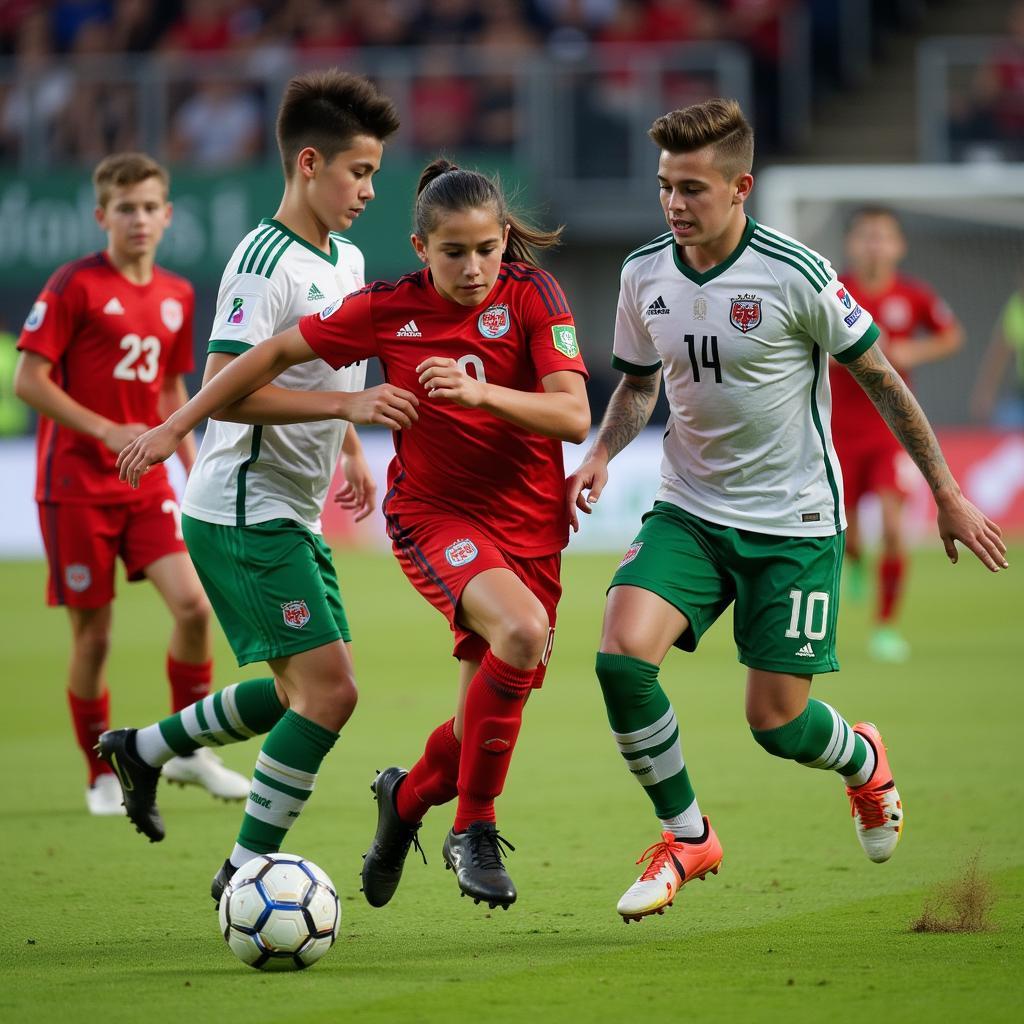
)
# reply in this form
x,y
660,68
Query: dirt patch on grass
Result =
x,y
961,905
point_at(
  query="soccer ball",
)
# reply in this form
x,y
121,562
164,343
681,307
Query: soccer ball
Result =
x,y
279,912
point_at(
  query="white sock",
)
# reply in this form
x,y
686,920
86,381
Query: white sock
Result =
x,y
867,769
151,746
240,856
688,825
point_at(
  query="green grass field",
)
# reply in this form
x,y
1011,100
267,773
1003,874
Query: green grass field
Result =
x,y
100,926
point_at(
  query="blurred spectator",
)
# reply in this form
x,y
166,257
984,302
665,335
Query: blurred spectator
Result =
x,y
447,22
135,26
1005,352
322,26
506,41
68,17
204,27
993,112
443,103
101,115
381,22
220,124
39,91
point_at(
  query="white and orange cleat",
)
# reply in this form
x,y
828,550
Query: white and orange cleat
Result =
x,y
876,806
673,863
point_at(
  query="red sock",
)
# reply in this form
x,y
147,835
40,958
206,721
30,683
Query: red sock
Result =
x,y
891,571
434,779
90,718
494,713
189,682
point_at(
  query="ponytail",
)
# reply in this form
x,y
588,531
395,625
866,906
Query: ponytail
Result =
x,y
446,187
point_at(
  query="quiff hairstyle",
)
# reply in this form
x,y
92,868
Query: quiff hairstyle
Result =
x,y
718,123
120,170
327,110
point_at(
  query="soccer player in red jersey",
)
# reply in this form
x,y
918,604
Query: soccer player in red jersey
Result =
x,y
103,354
917,328
475,505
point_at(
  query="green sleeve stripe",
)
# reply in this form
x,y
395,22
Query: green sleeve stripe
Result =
x,y
265,243
632,369
260,236
770,235
815,269
648,250
277,245
771,254
235,348
280,253
859,347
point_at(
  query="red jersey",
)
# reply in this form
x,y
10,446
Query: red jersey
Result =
x,y
904,309
457,460
111,343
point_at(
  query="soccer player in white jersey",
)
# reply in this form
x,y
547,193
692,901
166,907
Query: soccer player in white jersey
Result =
x,y
740,320
253,502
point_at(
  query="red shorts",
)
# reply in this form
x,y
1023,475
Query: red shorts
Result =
x,y
441,554
873,469
83,541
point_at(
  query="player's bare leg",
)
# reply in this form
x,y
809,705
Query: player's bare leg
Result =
x,y
639,629
189,670
790,724
886,642
89,701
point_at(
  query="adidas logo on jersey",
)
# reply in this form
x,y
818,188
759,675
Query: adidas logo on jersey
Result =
x,y
114,307
657,307
807,651
410,330
314,294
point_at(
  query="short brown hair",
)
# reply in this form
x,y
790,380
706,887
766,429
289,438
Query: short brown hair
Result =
x,y
327,110
120,170
719,123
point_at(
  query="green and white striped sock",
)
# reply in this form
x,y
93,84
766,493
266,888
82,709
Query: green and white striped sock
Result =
x,y
285,775
227,716
647,734
821,738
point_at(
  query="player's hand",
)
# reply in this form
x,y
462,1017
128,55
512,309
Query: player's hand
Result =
x,y
445,378
959,520
146,450
385,404
120,435
591,476
358,494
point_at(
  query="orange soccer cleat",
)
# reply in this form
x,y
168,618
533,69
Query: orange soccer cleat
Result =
x,y
673,863
876,806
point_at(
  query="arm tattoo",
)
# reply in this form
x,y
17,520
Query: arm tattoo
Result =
x,y
898,407
628,411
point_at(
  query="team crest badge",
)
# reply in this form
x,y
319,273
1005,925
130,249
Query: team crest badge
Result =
x,y
745,313
462,552
295,614
36,316
78,577
844,297
494,321
172,314
564,338
631,552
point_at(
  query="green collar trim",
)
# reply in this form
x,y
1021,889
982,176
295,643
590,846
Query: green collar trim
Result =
x,y
701,279
332,259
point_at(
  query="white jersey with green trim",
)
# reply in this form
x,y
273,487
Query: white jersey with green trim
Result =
x,y
744,348
251,474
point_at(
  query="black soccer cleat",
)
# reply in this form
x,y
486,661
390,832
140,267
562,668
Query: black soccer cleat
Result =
x,y
220,881
475,857
383,862
138,781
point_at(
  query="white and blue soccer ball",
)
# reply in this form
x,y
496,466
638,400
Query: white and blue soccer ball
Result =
x,y
279,912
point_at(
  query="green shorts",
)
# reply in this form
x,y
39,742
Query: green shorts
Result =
x,y
272,586
786,589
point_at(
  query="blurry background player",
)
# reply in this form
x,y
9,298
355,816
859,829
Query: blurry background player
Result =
x,y
253,503
1005,352
104,351
475,506
916,327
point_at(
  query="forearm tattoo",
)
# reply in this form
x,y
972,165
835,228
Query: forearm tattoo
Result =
x,y
628,411
899,408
